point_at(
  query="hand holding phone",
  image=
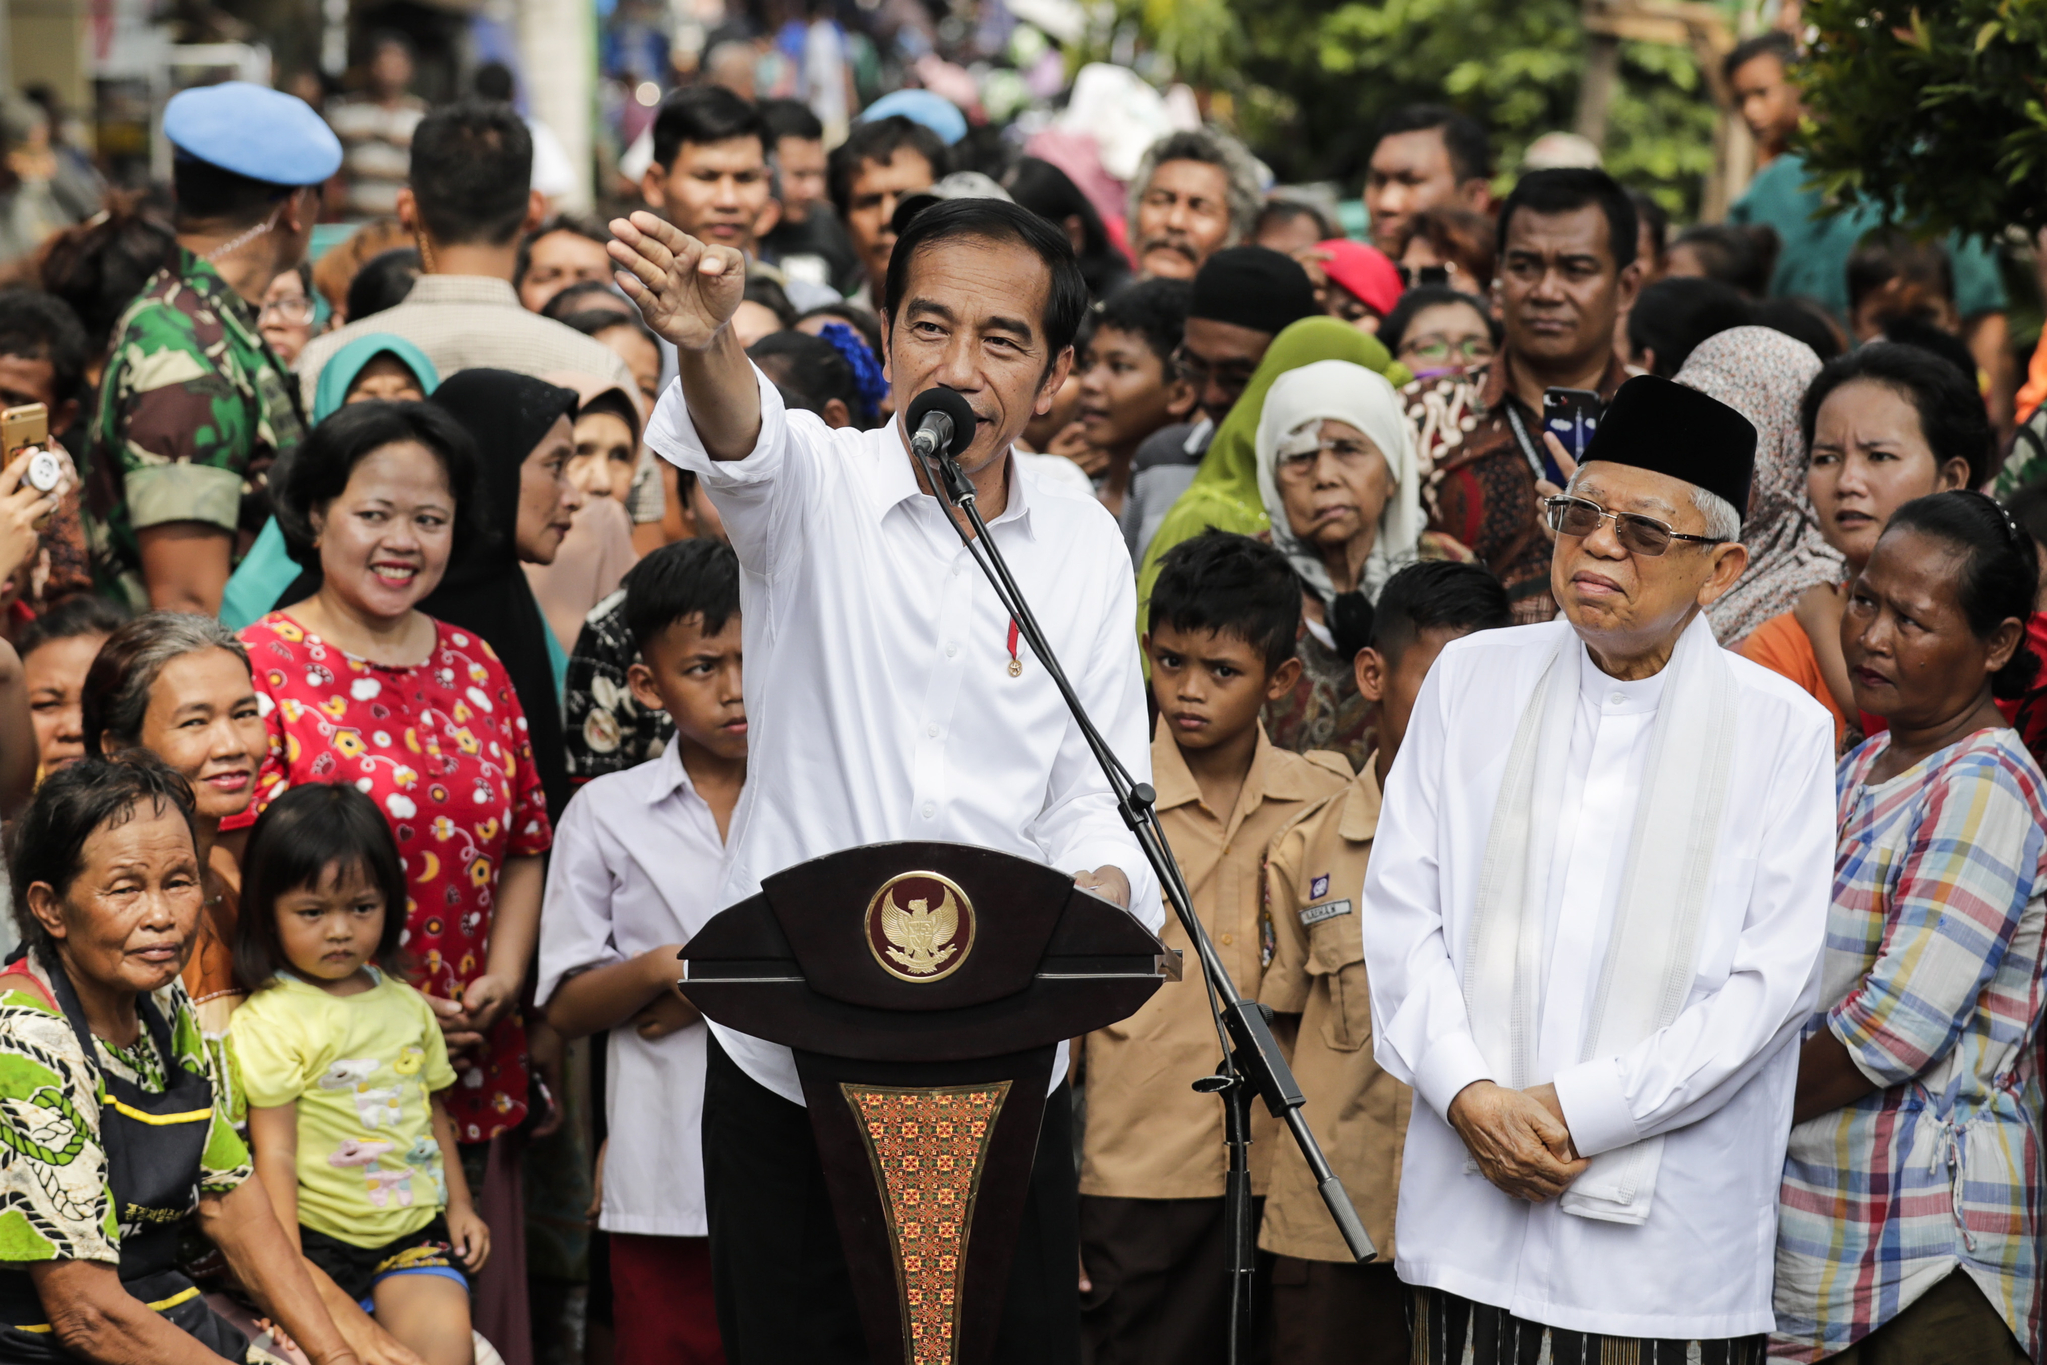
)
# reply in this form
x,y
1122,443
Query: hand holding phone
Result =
x,y
1572,416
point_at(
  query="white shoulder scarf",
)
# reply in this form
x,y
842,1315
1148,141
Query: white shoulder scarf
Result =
x,y
1652,953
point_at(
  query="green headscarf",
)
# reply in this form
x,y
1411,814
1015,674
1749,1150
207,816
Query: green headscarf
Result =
x,y
1224,493
266,570
341,370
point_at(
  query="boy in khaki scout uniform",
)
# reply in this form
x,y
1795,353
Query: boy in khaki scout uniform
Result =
x,y
1223,616
1325,1307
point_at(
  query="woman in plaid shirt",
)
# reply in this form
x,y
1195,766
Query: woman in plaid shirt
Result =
x,y
1911,1219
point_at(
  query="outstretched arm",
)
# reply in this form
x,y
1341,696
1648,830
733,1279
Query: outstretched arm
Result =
x,y
687,291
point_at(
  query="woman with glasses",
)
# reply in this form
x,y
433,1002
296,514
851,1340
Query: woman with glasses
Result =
x,y
1881,426
286,318
1434,331
1911,1211
1337,473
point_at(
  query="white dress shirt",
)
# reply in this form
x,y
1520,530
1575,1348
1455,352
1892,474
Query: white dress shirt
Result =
x,y
1718,1081
637,862
879,698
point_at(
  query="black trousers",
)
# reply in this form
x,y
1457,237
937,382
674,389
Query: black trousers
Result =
x,y
777,1267
1160,1270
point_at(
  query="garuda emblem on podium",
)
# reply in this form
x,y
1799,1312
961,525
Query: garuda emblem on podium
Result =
x,y
920,926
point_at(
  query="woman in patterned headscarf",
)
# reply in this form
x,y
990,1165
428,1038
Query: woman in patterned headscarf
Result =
x,y
1762,374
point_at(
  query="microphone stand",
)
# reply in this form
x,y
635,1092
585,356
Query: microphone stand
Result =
x,y
1251,1058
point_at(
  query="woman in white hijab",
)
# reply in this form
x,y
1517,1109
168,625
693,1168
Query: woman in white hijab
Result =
x,y
1337,473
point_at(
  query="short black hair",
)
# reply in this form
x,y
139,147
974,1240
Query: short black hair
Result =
x,y
1153,309
1437,594
493,81
684,578
565,303
703,114
1050,193
878,140
1570,188
810,366
2027,506
789,118
1672,316
1916,331
75,616
1233,585
39,326
1776,43
771,296
1802,319
206,193
1281,209
472,172
1952,417
1650,213
1464,137
1066,299
1743,255
320,469
1888,253
580,224
860,319
2001,576
383,282
593,322
1393,330
100,266
48,843
312,827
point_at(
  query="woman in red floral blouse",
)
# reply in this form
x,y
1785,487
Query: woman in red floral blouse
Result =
x,y
358,685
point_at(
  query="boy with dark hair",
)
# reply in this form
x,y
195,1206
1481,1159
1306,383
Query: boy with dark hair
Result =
x,y
868,175
470,205
710,178
633,878
1327,1309
809,243
1425,156
1222,620
1129,385
565,250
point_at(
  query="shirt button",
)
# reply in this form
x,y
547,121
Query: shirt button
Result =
x,y
930,809
1617,699
931,730
1227,940
951,648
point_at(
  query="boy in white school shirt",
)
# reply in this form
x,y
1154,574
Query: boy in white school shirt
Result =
x,y
638,860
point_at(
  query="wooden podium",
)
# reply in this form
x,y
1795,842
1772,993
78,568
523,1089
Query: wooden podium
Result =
x,y
924,988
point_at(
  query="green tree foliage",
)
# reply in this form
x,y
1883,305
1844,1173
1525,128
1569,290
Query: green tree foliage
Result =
x,y
1310,78
1937,113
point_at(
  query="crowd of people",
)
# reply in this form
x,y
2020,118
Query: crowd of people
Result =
x,y
374,728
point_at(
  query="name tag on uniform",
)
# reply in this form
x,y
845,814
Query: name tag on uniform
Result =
x,y
1315,914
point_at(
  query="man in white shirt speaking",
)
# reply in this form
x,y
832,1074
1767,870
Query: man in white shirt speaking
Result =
x,y
1593,920
890,698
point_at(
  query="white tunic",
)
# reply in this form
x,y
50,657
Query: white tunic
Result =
x,y
1718,1081
636,865
879,699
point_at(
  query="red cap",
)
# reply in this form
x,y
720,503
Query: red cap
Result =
x,y
1365,271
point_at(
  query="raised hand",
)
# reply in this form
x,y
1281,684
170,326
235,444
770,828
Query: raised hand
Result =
x,y
687,290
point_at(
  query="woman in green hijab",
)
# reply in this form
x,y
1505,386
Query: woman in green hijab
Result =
x,y
1225,493
373,368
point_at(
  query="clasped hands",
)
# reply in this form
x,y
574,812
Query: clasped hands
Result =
x,y
1518,1138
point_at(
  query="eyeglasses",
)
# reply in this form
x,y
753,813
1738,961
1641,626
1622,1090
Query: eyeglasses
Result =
x,y
1580,517
1434,349
1415,276
1346,451
296,311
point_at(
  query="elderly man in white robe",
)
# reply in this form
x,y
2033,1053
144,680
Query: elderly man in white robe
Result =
x,y
1593,920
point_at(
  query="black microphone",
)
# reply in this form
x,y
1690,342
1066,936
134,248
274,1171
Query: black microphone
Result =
x,y
941,423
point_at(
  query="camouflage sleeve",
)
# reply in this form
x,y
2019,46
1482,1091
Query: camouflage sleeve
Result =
x,y
182,432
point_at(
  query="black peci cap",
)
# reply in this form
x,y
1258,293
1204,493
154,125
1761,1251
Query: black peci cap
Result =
x,y
1659,425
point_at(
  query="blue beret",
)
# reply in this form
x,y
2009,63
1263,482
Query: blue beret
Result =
x,y
253,130
934,111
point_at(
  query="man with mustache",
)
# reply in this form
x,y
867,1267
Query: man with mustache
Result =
x,y
1592,921
1194,194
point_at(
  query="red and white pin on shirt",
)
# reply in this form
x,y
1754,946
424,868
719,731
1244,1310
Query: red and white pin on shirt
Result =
x,y
1015,664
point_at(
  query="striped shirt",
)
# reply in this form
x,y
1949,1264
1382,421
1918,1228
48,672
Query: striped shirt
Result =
x,y
1932,979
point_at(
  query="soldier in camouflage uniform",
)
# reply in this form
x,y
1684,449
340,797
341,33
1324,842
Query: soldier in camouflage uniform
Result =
x,y
195,409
